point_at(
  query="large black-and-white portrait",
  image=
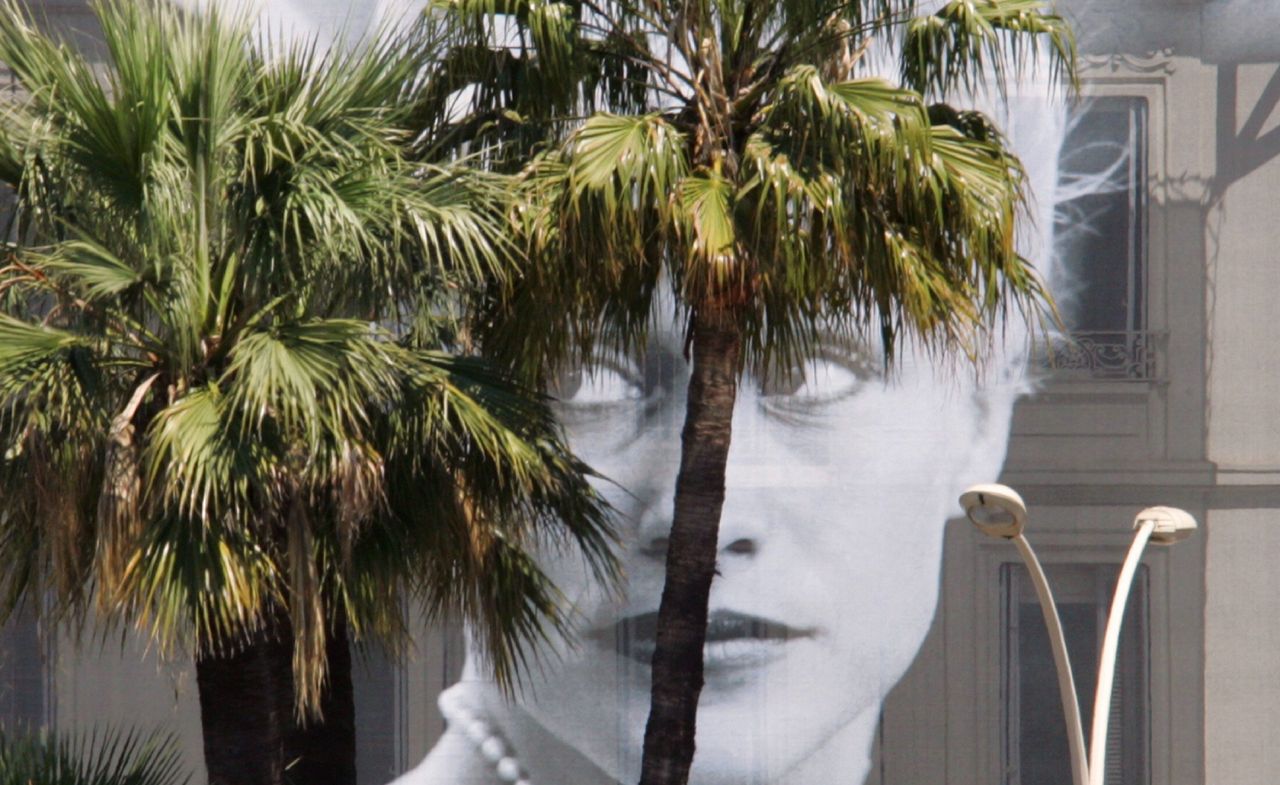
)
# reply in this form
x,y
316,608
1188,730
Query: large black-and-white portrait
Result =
x,y
839,483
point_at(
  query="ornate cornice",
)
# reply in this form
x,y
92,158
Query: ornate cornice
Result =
x,y
1159,62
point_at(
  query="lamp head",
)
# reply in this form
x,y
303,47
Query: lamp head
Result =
x,y
1171,524
995,509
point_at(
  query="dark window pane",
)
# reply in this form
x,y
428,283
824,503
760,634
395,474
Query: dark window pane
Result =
x,y
377,684
1100,229
1036,751
1100,241
22,681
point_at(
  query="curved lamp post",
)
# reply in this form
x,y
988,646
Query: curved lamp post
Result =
x,y
998,511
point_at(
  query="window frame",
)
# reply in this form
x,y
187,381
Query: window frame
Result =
x,y
1139,343
1020,606
1083,431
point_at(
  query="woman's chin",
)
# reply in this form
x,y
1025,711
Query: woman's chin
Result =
x,y
744,736
766,708
790,745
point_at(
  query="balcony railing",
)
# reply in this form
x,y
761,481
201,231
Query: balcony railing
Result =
x,y
1099,356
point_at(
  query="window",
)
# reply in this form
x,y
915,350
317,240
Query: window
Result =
x,y
397,720
379,704
1035,741
23,691
1100,241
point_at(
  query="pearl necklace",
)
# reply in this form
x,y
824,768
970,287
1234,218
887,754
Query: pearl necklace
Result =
x,y
487,739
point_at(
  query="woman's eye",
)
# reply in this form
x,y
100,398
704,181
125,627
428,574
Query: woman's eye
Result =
x,y
824,381
831,381
601,385
606,385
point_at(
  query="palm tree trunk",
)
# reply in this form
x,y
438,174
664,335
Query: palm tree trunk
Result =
x,y
323,751
246,708
251,735
691,552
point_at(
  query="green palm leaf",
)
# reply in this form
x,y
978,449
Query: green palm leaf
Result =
x,y
99,758
707,201
967,39
91,269
221,350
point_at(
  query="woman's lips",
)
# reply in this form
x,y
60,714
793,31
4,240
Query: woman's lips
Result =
x,y
734,640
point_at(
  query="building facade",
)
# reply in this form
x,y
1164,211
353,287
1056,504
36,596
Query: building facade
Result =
x,y
1168,394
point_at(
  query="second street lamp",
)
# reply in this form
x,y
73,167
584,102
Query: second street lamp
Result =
x,y
998,511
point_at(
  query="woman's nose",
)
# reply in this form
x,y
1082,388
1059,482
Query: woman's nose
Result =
x,y
655,547
749,499
653,522
740,546
742,518
738,536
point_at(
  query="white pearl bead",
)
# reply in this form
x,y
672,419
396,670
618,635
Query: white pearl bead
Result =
x,y
493,749
491,745
477,731
508,769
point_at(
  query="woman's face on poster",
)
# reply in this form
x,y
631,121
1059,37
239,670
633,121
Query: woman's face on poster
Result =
x,y
839,481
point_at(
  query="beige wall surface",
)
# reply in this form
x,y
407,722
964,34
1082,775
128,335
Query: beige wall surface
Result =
x,y
1242,648
120,684
1244,274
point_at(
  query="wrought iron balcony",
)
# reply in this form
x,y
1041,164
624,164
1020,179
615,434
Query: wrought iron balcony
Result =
x,y
1096,356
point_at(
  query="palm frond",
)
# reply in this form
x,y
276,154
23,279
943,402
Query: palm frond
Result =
x,y
966,41
614,155
309,378
613,195
91,269
203,587
107,757
479,502
198,468
706,198
14,140
861,214
602,206
49,381
215,383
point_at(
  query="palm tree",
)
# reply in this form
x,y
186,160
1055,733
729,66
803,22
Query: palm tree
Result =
x,y
227,416
744,153
98,758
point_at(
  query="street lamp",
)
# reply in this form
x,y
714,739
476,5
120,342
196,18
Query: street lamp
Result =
x,y
998,511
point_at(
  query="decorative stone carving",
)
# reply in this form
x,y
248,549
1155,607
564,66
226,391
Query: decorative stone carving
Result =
x,y
1159,62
